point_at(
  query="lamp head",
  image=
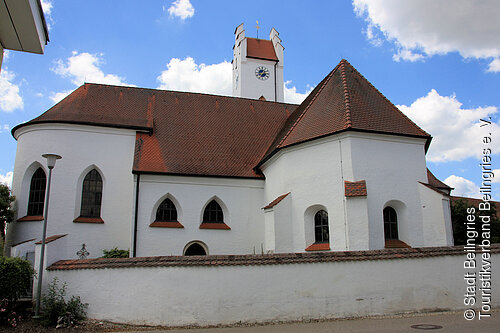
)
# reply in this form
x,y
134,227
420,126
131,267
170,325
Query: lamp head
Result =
x,y
51,159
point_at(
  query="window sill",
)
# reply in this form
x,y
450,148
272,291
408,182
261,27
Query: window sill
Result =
x,y
319,247
218,226
30,218
96,220
165,224
396,244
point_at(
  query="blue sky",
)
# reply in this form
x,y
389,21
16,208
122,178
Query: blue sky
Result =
x,y
438,61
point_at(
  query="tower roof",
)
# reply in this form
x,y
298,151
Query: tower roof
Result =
x,y
261,49
344,101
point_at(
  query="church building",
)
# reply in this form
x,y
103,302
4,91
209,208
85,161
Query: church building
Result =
x,y
179,173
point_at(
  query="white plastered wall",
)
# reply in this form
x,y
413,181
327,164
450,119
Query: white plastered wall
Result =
x,y
312,172
171,295
241,202
110,150
392,167
436,216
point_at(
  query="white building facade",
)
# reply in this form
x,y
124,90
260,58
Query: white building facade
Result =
x,y
170,173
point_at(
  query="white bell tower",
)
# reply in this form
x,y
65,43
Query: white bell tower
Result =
x,y
258,66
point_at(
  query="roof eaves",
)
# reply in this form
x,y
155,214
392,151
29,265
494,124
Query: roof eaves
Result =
x,y
36,122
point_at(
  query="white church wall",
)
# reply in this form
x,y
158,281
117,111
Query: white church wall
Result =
x,y
358,227
171,295
283,225
241,201
111,150
392,167
312,173
436,216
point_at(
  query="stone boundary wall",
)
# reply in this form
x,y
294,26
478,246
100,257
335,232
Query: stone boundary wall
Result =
x,y
212,290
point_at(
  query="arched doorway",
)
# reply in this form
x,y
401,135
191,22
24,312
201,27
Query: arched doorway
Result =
x,y
195,249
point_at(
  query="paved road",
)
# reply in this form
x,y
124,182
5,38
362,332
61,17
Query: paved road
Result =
x,y
446,322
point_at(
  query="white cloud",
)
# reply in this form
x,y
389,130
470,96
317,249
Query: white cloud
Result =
x,y
434,27
494,66
6,179
57,97
81,68
84,67
182,9
462,187
186,75
10,99
496,172
47,6
4,128
407,55
455,130
292,96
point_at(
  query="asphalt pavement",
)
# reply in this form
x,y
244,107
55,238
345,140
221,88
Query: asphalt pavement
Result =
x,y
449,322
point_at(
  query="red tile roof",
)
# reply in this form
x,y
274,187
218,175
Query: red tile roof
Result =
x,y
343,101
261,49
182,133
276,201
434,182
355,189
266,259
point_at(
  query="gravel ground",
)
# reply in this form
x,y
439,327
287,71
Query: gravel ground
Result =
x,y
31,326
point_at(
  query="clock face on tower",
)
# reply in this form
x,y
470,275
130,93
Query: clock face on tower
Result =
x,y
262,73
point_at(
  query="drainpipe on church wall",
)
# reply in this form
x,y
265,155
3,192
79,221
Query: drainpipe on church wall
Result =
x,y
136,215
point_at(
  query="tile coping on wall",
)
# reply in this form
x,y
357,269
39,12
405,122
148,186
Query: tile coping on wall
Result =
x,y
267,259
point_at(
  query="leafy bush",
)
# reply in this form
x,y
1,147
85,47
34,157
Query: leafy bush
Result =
x,y
15,278
15,281
57,311
115,253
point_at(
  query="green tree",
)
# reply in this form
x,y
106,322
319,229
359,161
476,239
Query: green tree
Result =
x,y
461,209
6,213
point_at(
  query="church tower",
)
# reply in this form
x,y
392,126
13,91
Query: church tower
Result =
x,y
258,66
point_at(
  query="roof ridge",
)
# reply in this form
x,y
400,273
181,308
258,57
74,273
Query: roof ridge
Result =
x,y
343,77
323,84
176,91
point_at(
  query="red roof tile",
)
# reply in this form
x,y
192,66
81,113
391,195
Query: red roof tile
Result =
x,y
261,49
355,189
276,201
266,259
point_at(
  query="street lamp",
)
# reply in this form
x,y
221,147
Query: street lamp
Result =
x,y
51,162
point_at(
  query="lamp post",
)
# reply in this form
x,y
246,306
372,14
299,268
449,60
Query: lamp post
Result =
x,y
51,162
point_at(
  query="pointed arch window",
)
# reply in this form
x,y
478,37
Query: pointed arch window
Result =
x,y
213,213
166,212
390,224
91,195
213,217
321,232
37,193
